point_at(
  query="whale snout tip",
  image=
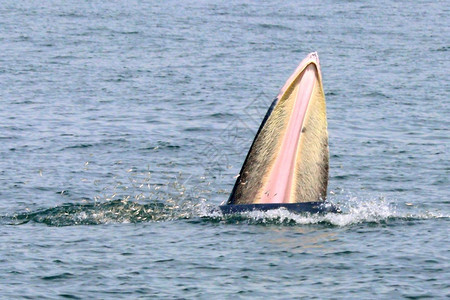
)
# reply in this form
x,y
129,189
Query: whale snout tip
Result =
x,y
313,56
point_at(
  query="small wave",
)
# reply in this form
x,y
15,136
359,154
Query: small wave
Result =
x,y
78,146
274,26
443,49
58,277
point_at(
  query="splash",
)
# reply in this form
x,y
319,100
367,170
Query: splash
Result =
x,y
115,211
128,197
354,211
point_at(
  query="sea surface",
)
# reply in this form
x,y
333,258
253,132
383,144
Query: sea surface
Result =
x,y
124,123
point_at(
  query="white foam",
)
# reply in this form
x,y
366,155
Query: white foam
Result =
x,y
354,211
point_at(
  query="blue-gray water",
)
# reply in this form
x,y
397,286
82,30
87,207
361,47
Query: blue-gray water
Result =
x,y
124,123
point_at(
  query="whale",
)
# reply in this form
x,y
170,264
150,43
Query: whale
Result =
x,y
287,165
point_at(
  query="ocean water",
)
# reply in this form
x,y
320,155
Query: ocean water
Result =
x,y
123,125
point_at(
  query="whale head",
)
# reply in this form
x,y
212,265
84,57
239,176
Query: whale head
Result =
x,y
288,160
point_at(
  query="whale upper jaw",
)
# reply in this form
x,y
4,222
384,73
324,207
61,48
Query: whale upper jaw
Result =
x,y
288,160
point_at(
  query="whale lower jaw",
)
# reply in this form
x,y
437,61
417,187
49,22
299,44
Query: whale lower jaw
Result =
x,y
288,160
302,207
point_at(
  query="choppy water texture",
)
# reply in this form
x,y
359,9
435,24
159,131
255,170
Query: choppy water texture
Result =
x,y
124,123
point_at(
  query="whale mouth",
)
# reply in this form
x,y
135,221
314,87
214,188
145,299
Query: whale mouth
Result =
x,y
288,160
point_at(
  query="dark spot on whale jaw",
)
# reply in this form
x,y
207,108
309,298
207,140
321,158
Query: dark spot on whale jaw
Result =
x,y
304,129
